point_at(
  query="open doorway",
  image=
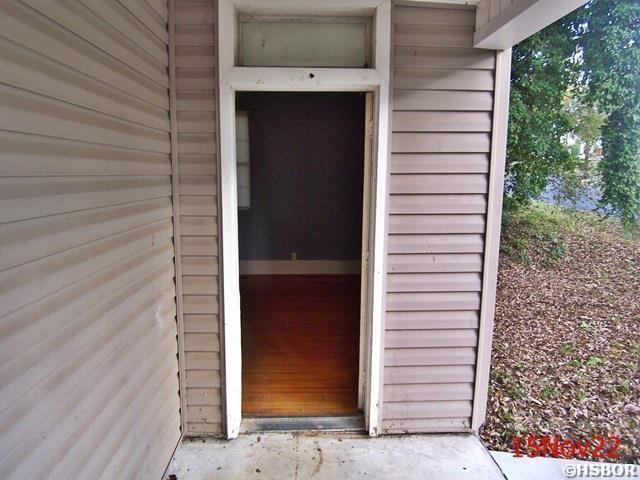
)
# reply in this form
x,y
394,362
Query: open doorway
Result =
x,y
300,228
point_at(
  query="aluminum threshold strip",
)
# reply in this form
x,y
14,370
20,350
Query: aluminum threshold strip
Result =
x,y
354,423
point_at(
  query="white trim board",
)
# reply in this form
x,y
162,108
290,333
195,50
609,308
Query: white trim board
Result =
x,y
492,237
500,25
233,79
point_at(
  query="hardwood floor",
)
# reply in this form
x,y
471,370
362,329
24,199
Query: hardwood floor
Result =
x,y
300,337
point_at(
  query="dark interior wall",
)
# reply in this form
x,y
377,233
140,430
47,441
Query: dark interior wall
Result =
x,y
307,156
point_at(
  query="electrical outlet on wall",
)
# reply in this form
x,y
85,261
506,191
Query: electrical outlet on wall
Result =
x,y
294,256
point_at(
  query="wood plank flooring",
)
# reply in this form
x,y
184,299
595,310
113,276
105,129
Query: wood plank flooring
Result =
x,y
300,337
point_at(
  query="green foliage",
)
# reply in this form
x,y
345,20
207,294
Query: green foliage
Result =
x,y
624,387
587,327
585,121
620,166
580,75
568,349
535,232
510,383
575,363
542,72
558,251
593,361
609,36
517,249
609,32
549,392
588,123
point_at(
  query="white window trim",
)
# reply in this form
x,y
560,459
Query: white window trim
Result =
x,y
233,79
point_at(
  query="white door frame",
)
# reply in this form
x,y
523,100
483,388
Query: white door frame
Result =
x,y
233,79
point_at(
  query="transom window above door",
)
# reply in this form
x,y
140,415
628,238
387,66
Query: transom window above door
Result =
x,y
304,41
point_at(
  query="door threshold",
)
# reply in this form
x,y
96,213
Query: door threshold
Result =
x,y
351,423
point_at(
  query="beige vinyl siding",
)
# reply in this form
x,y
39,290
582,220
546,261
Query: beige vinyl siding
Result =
x,y
196,81
88,368
442,115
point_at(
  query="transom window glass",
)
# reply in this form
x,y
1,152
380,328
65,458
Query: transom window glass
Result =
x,y
311,41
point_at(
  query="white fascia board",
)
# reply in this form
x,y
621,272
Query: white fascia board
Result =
x,y
519,20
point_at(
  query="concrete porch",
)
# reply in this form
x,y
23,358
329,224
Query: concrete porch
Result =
x,y
333,456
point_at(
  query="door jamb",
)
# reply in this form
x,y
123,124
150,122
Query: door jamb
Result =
x,y
233,79
365,282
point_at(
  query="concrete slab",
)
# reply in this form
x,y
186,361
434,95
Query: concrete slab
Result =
x,y
525,468
332,456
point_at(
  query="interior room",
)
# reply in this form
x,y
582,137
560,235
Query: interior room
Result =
x,y
300,195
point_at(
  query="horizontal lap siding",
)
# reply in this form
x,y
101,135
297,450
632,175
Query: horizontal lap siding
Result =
x,y
87,297
442,120
196,122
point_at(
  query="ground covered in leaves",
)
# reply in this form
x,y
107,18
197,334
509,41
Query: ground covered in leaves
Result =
x,y
566,349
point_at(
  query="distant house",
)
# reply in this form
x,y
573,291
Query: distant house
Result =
x,y
229,216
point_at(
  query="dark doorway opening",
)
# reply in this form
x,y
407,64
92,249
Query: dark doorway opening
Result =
x,y
300,241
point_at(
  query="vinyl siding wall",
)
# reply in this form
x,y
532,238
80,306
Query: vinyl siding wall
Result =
x,y
196,82
88,367
441,141
443,100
